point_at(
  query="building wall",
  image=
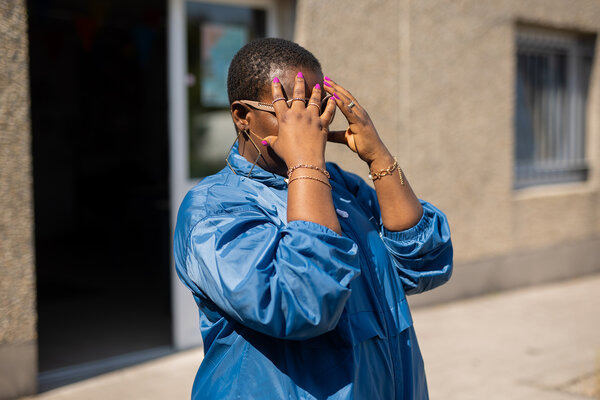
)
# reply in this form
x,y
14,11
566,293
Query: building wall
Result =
x,y
438,78
18,348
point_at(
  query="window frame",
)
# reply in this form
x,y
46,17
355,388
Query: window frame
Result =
x,y
564,165
280,17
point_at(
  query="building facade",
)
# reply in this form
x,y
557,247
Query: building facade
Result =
x,y
490,107
18,346
440,80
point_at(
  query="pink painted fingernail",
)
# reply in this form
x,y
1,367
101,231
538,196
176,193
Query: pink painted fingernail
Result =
x,y
327,78
276,80
317,86
326,84
264,143
336,96
300,75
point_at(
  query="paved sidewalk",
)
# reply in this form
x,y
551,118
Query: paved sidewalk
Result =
x,y
535,343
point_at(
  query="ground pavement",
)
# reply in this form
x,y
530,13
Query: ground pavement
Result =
x,y
539,343
536,343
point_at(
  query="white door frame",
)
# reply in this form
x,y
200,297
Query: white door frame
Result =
x,y
185,325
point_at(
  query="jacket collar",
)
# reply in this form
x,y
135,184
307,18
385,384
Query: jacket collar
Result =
x,y
242,167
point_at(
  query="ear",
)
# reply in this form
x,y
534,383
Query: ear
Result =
x,y
241,115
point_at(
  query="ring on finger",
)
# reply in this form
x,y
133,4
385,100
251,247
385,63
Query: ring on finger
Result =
x,y
277,99
311,103
300,99
351,104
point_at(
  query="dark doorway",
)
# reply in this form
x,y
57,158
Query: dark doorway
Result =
x,y
100,151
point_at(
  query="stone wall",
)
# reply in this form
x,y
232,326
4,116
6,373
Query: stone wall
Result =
x,y
438,78
18,347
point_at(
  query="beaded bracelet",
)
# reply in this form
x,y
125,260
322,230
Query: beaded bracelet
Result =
x,y
295,167
309,177
387,171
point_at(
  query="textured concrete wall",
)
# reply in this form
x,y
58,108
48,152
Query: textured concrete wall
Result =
x,y
362,45
437,76
18,368
462,58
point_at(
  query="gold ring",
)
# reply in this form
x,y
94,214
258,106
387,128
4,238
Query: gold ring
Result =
x,y
314,104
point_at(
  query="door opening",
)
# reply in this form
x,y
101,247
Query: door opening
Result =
x,y
101,191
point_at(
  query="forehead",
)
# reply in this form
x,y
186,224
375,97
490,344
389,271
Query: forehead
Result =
x,y
287,77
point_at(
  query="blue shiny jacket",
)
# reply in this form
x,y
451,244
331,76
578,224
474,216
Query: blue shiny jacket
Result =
x,y
294,310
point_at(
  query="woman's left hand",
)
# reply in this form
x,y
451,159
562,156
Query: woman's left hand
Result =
x,y
400,207
361,136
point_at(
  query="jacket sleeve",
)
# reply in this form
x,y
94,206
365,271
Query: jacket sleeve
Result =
x,y
288,281
422,255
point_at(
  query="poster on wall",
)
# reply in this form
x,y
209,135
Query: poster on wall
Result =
x,y
219,43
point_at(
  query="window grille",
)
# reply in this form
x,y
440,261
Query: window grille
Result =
x,y
551,88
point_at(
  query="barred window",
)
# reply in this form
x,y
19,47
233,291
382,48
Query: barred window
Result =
x,y
552,79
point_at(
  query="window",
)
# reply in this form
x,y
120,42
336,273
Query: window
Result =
x,y
215,32
552,79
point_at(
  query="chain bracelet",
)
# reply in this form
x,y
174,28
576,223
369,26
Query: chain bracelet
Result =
x,y
387,171
309,177
295,167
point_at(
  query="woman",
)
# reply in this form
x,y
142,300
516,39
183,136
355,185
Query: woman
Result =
x,y
301,281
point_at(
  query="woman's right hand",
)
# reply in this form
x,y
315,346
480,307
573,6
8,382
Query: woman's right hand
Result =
x,y
301,139
302,132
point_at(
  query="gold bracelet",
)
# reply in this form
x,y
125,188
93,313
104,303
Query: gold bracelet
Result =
x,y
309,177
295,167
387,171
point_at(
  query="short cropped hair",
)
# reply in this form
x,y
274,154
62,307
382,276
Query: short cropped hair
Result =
x,y
251,68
